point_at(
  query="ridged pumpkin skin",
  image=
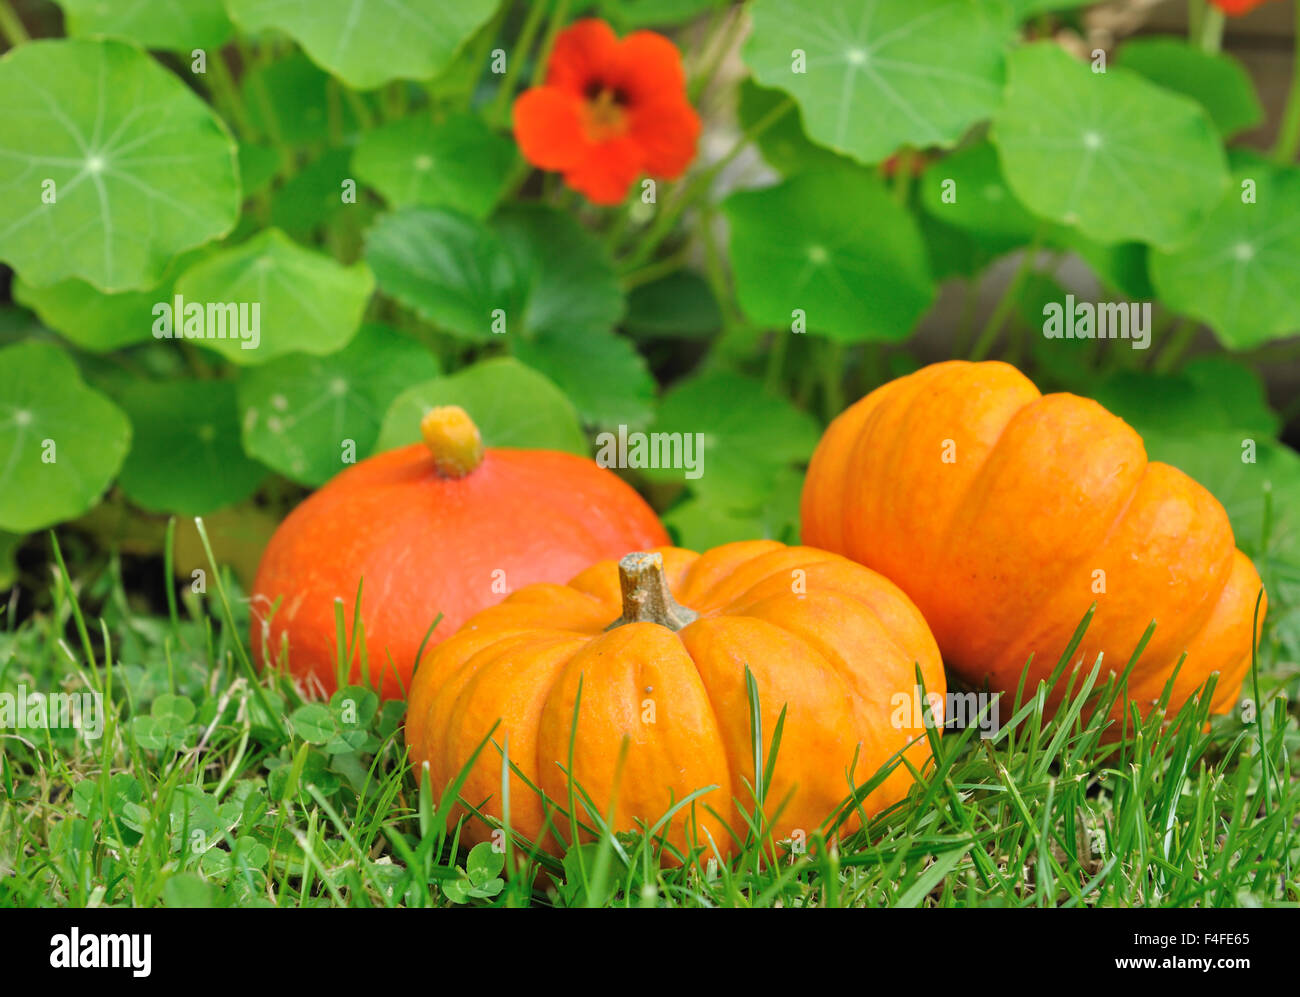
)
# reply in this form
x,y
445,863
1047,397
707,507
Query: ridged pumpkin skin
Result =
x,y
834,655
428,544
999,546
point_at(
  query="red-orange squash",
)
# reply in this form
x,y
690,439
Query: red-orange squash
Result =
x,y
828,641
1005,514
440,527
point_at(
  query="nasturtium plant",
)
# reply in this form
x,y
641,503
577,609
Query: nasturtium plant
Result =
x,y
367,43
96,321
572,300
967,190
308,417
288,299
96,188
1237,271
872,77
289,102
62,443
829,252
459,163
783,142
512,405
1073,154
743,437
186,455
1214,80
160,24
448,267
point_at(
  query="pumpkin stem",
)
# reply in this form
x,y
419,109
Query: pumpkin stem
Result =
x,y
646,598
454,440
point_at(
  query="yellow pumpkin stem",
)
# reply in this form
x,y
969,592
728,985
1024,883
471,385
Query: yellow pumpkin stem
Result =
x,y
646,597
453,439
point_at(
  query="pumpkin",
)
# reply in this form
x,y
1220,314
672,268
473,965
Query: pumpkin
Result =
x,y
440,527
659,644
1005,514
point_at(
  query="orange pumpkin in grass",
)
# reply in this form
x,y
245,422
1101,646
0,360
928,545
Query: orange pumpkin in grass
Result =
x,y
1005,514
825,639
442,526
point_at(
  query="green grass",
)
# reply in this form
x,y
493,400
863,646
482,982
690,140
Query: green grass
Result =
x,y
215,785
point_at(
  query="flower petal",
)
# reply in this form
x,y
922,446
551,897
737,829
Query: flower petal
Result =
x,y
666,133
548,128
649,68
607,171
586,50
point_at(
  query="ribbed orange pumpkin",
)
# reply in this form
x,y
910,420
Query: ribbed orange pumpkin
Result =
x,y
1005,514
436,527
829,641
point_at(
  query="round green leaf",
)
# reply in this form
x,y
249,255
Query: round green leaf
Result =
x,y
61,442
305,416
602,374
367,43
1024,9
94,320
748,437
1210,393
701,523
627,15
783,143
186,457
141,169
966,190
880,74
306,302
458,163
295,91
310,199
834,246
1214,80
572,299
512,406
450,268
1074,150
678,306
568,276
1240,272
162,24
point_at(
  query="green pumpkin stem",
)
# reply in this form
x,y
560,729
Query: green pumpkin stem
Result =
x,y
646,597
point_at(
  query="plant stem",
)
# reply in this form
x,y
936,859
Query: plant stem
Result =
x,y
989,334
832,371
653,271
1210,35
776,360
1179,340
716,49
903,173
665,220
222,86
11,25
1288,133
527,35
715,274
646,595
558,16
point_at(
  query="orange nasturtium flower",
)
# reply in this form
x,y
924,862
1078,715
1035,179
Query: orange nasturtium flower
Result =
x,y
608,111
1235,8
